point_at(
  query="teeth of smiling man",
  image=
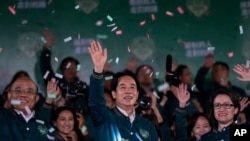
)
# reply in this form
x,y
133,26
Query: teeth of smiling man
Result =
x,y
128,97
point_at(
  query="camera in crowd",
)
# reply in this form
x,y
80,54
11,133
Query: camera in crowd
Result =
x,y
145,103
171,77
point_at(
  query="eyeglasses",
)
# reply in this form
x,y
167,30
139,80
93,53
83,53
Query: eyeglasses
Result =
x,y
225,106
20,91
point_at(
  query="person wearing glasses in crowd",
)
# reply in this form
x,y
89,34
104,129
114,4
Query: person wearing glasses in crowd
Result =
x,y
225,109
121,122
21,121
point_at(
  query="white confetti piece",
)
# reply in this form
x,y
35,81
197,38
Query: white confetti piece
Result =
x,y
68,65
117,60
241,29
15,102
100,36
43,40
108,77
68,39
163,87
129,49
110,60
169,13
51,96
24,21
12,10
157,73
99,23
51,129
56,59
39,121
210,48
27,109
77,7
118,32
58,75
110,25
156,95
113,29
78,67
46,75
109,18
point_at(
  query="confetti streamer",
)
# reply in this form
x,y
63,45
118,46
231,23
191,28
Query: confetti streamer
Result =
x,y
114,29
230,54
68,65
180,10
27,109
118,32
163,87
109,18
129,49
51,96
99,23
58,75
78,67
241,29
110,25
108,77
15,102
77,7
39,121
142,23
46,75
152,17
12,10
67,39
117,60
169,13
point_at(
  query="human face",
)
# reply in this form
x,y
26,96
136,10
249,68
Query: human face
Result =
x,y
201,127
224,114
25,90
126,92
65,122
186,77
145,76
70,72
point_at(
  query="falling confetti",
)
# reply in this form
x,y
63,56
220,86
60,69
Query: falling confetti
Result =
x,y
12,10
56,59
58,75
109,18
39,121
110,25
46,75
156,95
68,65
117,60
180,10
50,137
241,29
110,60
99,36
142,23
67,39
99,23
248,64
114,28
118,32
169,13
51,96
210,48
1,50
151,74
148,36
129,49
157,73
152,17
230,54
51,129
43,40
108,77
78,67
79,36
15,102
27,109
163,87
77,7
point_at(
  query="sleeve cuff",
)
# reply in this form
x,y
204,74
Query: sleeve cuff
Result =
x,y
47,105
97,75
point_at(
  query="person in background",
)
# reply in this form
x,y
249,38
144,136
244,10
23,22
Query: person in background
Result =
x,y
69,125
225,110
74,90
122,122
110,102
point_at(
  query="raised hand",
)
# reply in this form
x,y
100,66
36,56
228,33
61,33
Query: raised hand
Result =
x,y
98,56
209,61
244,102
53,91
242,71
183,95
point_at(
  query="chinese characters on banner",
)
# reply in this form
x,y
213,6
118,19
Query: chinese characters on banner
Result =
x,y
143,6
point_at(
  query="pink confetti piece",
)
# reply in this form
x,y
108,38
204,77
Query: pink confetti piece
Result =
x,y
12,10
142,23
152,17
230,54
27,109
169,13
46,75
129,49
1,50
50,137
150,75
180,10
118,32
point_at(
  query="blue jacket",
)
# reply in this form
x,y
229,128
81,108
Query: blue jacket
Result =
x,y
112,125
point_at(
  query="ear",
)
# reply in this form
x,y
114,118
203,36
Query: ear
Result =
x,y
113,94
9,96
37,97
236,110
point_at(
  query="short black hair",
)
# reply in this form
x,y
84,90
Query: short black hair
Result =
x,y
65,62
224,65
141,67
179,70
118,75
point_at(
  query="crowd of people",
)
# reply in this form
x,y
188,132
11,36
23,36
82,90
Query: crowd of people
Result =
x,y
128,105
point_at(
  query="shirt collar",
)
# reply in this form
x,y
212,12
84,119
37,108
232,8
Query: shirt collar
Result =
x,y
131,117
26,118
